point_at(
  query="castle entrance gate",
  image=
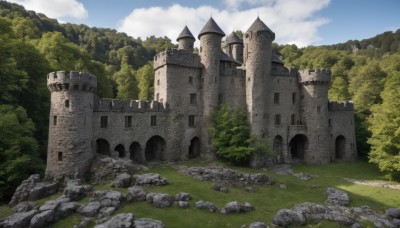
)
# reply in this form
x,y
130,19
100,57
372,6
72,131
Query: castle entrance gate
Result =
x,y
135,152
298,146
155,148
121,150
194,148
103,147
340,143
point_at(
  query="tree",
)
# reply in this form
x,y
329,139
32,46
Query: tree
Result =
x,y
230,134
126,82
338,90
384,125
145,78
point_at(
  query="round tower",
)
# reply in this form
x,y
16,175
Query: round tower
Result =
x,y
257,58
315,85
234,47
186,40
69,152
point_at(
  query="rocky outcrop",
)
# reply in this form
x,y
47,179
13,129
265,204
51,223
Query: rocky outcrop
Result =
x,y
204,205
108,198
42,219
24,206
236,207
286,217
123,180
107,168
183,196
18,220
76,191
90,210
147,223
148,179
162,200
337,197
118,221
219,187
136,194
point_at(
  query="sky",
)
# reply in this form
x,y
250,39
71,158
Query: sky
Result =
x,y
300,22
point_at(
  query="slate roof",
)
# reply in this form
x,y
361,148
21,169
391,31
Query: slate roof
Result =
x,y
258,25
185,34
233,39
211,27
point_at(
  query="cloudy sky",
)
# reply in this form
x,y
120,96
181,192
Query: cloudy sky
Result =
x,y
302,22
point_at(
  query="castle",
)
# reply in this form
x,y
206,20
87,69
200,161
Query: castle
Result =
x,y
287,108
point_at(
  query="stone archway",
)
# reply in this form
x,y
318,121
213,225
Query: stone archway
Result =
x,y
298,146
135,151
103,147
155,148
194,148
121,150
340,144
277,146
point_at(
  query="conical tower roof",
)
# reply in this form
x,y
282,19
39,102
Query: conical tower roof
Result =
x,y
258,25
185,34
211,27
233,39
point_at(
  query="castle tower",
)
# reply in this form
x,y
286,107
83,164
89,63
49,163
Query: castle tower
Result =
x,y
257,59
235,47
70,152
210,48
186,40
315,85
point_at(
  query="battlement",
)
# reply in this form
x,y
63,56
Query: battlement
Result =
x,y
315,76
115,105
280,70
74,81
340,106
177,57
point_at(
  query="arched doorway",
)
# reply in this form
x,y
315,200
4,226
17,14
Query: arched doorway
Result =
x,y
135,152
155,148
103,147
298,146
340,144
278,145
121,150
194,148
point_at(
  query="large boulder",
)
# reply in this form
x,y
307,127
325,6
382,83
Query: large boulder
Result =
x,y
204,205
162,200
105,211
123,180
182,196
90,210
42,219
149,179
108,198
124,220
286,217
393,213
236,207
42,189
75,191
53,204
219,187
65,209
23,206
183,204
136,194
147,223
107,168
337,197
18,220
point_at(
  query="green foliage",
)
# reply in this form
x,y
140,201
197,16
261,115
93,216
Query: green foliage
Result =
x,y
126,82
230,134
385,128
145,78
18,148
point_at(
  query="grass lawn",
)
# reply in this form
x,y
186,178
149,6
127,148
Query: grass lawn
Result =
x,y
267,200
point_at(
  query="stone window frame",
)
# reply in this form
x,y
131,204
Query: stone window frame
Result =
x,y
294,98
60,156
191,120
67,103
277,98
193,99
318,109
277,119
128,121
153,120
191,80
293,119
55,120
103,121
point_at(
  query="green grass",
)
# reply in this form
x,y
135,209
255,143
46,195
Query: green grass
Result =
x,y
5,211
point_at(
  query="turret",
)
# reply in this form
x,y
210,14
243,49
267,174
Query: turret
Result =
x,y
186,40
257,58
70,146
234,47
315,85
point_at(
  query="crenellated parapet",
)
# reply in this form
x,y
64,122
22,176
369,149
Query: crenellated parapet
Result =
x,y
115,105
340,106
178,57
318,76
74,81
280,70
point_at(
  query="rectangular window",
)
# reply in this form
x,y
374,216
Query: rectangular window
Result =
x,y
191,80
276,98
193,98
277,119
191,120
55,120
103,121
67,103
318,109
330,122
158,82
220,98
76,87
153,121
293,98
293,119
128,121
60,157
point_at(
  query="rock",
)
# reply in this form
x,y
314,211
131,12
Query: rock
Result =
x,y
204,205
183,196
149,179
249,189
42,189
136,194
42,219
236,207
356,225
90,209
162,200
23,207
53,204
247,207
393,213
107,168
118,221
220,188
123,180
258,225
183,204
282,186
285,218
64,210
85,221
261,179
302,176
75,191
337,197
150,196
147,223
18,220
105,211
108,198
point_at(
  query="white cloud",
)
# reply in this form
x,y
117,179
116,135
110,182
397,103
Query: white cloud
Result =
x,y
59,9
293,21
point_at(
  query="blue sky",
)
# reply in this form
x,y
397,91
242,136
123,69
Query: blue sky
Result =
x,y
302,22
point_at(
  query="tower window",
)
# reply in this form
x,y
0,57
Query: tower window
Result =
x,y
103,121
67,103
193,98
153,120
220,98
330,122
293,119
277,119
158,82
191,80
191,120
60,156
276,98
293,98
128,121
318,109
55,120
157,97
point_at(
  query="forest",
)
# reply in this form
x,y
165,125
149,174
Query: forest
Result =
x,y
32,45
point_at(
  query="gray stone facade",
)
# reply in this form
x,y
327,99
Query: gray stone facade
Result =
x,y
289,109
